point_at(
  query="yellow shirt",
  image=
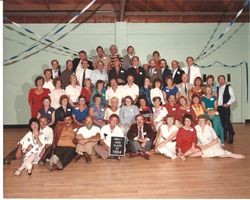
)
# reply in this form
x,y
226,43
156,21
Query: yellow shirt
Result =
x,y
66,138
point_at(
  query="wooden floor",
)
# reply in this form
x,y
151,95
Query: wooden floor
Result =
x,y
135,177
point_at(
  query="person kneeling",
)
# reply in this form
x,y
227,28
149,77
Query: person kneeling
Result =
x,y
87,137
140,136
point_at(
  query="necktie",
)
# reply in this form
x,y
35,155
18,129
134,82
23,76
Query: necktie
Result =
x,y
137,71
189,73
140,133
83,77
186,89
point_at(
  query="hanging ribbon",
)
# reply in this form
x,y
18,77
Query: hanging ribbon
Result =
x,y
201,55
48,39
232,66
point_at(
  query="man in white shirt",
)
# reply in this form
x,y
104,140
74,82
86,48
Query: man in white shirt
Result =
x,y
131,89
87,137
107,131
191,70
114,91
83,72
225,98
48,81
46,137
99,73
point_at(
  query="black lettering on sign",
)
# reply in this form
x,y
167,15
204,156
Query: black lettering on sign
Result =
x,y
117,147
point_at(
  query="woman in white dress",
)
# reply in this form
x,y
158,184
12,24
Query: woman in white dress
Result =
x,y
73,90
113,109
166,138
209,142
56,93
159,112
156,91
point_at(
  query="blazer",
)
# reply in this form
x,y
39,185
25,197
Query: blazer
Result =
x,y
139,78
76,62
178,75
181,89
127,62
122,74
155,73
147,130
166,72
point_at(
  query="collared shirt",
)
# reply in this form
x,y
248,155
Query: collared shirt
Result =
x,y
66,138
55,97
174,72
132,91
49,85
221,92
79,74
107,133
55,73
88,133
117,93
194,72
46,136
98,75
73,92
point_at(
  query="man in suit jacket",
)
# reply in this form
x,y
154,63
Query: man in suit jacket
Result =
x,y
140,136
117,72
184,87
176,72
165,70
127,60
137,72
154,71
77,61
55,68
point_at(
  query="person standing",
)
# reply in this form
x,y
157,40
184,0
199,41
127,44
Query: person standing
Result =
x,y
225,99
191,70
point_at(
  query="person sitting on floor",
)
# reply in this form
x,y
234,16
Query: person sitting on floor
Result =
x,y
64,143
140,136
87,137
111,129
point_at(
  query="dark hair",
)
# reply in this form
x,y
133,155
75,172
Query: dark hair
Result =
x,y
81,97
69,115
168,116
156,52
202,117
114,116
187,116
198,78
146,77
55,80
54,60
155,81
210,76
99,47
169,77
139,115
82,51
68,61
189,58
47,97
181,97
64,96
47,70
128,97
130,47
196,95
35,120
96,96
38,78
135,57
221,76
155,98
99,82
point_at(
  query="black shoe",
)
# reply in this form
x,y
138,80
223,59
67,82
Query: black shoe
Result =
x,y
231,139
6,161
77,157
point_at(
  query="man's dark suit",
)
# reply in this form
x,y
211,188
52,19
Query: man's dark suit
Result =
x,y
76,62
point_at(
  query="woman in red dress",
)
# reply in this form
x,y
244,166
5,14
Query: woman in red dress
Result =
x,y
186,140
87,90
36,96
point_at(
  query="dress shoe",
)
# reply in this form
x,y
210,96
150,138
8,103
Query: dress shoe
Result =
x,y
78,156
87,157
144,155
29,172
6,161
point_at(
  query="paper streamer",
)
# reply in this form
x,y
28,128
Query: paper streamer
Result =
x,y
47,39
201,56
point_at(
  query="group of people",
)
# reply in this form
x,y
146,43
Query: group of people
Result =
x,y
173,112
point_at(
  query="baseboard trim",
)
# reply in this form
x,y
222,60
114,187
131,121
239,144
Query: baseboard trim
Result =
x,y
247,121
16,126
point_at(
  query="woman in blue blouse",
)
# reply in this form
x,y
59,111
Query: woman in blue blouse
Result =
x,y
47,111
145,91
209,103
169,89
81,111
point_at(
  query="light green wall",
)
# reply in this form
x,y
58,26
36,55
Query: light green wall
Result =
x,y
173,41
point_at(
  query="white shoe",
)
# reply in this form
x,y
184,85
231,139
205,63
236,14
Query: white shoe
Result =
x,y
18,172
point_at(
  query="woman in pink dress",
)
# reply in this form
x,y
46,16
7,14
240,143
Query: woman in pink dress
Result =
x,y
36,96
